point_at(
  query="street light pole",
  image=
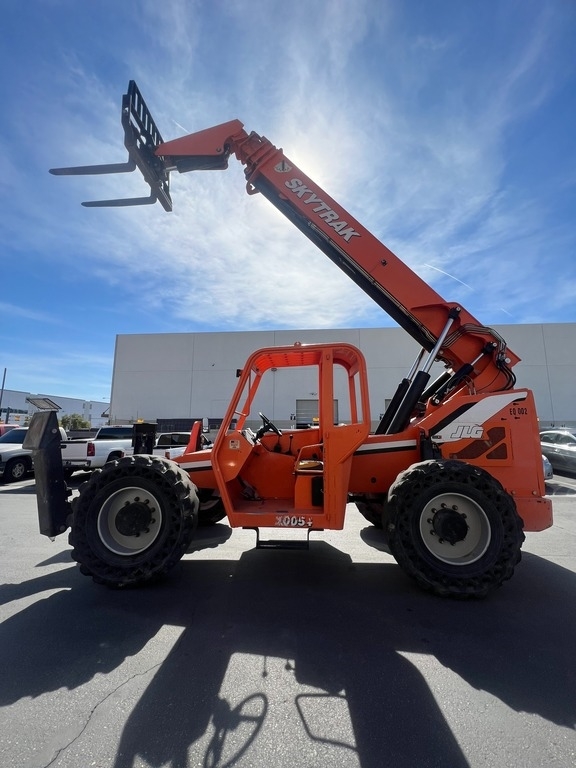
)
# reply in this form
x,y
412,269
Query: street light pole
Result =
x,y
2,392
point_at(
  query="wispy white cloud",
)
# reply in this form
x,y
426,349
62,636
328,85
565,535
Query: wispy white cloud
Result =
x,y
17,312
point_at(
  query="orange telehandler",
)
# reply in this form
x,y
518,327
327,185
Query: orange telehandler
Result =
x,y
452,473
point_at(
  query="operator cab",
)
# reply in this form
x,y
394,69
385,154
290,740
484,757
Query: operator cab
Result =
x,y
272,476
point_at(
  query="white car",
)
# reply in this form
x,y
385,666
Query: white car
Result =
x,y
548,471
15,461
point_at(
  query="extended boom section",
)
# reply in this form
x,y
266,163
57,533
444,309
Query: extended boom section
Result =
x,y
476,356
472,351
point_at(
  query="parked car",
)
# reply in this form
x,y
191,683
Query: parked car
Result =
x,y
6,428
16,461
559,447
548,469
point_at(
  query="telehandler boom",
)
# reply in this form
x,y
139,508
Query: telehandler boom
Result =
x,y
452,473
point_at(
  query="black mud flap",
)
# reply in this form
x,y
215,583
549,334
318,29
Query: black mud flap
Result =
x,y
43,439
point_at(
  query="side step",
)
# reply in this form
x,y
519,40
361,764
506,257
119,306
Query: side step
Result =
x,y
289,542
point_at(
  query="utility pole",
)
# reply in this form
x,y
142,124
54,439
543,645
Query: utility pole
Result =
x,y
2,392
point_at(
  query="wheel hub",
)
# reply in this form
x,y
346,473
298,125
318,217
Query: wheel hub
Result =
x,y
449,524
134,518
129,521
455,529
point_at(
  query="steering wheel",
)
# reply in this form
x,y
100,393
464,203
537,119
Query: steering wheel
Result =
x,y
267,426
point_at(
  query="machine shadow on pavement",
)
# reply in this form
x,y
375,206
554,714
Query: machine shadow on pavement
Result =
x,y
296,621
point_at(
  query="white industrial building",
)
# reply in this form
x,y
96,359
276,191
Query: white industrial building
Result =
x,y
178,376
16,408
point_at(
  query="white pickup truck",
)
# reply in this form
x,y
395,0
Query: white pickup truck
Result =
x,y
169,445
107,444
16,461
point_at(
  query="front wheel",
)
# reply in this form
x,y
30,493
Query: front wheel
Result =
x,y
133,521
453,528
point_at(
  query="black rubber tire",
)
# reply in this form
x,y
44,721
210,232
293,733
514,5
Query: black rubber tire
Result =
x,y
489,538
155,504
372,511
17,469
211,509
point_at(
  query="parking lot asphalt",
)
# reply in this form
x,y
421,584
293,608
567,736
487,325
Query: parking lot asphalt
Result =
x,y
276,659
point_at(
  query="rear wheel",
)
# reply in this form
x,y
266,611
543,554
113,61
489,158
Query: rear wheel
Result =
x,y
372,510
133,521
211,509
453,528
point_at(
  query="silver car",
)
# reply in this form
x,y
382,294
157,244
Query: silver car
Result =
x,y
559,447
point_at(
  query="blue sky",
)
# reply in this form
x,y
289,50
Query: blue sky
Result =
x,y
446,128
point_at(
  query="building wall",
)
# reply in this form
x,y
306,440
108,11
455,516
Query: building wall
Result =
x,y
180,375
14,408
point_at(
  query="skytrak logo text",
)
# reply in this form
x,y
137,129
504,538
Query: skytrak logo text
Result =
x,y
322,209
